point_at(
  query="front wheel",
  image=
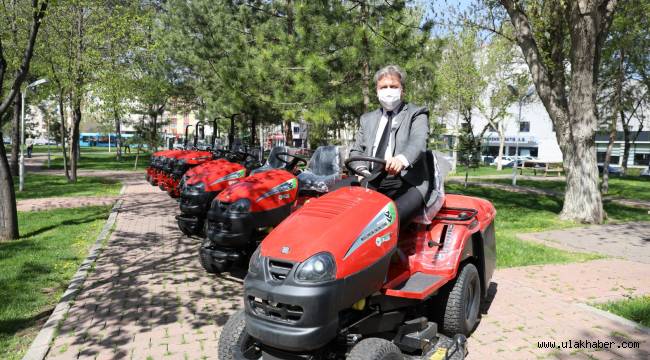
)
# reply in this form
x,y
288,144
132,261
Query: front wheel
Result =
x,y
463,303
234,341
375,349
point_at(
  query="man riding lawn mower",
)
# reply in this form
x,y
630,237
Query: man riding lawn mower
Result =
x,y
342,277
242,214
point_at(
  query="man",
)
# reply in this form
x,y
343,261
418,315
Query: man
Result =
x,y
30,147
398,133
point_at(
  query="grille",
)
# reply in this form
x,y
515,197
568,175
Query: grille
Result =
x,y
279,269
276,311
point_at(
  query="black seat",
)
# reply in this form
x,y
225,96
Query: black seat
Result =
x,y
435,195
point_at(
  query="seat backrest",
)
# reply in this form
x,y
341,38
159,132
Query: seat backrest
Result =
x,y
272,161
437,168
325,161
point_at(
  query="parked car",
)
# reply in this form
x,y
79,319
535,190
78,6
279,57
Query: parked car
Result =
x,y
611,169
6,140
646,172
504,161
487,159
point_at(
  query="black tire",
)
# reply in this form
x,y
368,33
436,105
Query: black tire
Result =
x,y
375,349
206,262
234,341
463,303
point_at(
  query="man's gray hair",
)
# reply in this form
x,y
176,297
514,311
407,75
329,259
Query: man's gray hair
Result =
x,y
391,70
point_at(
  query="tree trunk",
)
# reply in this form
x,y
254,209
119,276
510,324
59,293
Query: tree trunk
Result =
x,y
15,135
604,187
74,143
8,214
288,134
365,65
626,141
153,142
253,129
64,137
231,132
502,143
118,137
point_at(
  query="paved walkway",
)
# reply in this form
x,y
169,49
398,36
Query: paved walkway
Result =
x,y
629,241
64,202
150,299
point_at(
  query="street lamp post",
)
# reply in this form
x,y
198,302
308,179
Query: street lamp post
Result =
x,y
521,99
21,184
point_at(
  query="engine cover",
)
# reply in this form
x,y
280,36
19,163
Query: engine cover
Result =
x,y
359,227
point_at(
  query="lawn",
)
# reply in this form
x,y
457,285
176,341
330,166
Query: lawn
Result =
x,y
521,213
37,268
91,159
635,309
482,171
41,186
625,187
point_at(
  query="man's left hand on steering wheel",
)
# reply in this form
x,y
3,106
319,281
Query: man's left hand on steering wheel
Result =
x,y
394,165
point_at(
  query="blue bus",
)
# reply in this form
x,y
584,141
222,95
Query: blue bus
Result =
x,y
99,139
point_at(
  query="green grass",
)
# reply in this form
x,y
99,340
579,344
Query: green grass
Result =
x,y
482,171
635,309
41,186
624,187
102,160
37,268
521,213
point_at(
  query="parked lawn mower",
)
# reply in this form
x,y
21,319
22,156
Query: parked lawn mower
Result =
x,y
201,184
155,167
243,214
340,278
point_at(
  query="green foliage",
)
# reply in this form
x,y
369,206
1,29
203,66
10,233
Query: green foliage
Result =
x,y
37,268
105,160
297,60
42,186
636,309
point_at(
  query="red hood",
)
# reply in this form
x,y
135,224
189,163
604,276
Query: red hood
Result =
x,y
206,167
219,176
196,157
346,223
266,190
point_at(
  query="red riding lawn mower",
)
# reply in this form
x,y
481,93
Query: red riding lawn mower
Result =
x,y
243,214
178,165
201,184
340,278
159,168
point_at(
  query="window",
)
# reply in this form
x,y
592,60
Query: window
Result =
x,y
641,159
600,157
524,126
296,129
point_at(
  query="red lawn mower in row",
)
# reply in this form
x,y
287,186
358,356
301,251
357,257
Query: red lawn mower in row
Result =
x,y
340,278
201,184
158,168
243,214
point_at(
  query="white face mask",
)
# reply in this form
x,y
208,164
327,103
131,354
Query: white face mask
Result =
x,y
389,98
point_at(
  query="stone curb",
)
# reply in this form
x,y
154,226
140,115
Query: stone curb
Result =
x,y
621,320
41,344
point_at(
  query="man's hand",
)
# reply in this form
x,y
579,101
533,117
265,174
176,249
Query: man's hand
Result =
x,y
394,166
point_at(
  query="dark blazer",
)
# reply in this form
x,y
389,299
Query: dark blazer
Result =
x,y
410,140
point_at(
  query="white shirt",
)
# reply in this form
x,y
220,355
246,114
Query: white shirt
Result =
x,y
389,149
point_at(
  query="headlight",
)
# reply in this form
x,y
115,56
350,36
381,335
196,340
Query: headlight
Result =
x,y
240,206
318,268
255,265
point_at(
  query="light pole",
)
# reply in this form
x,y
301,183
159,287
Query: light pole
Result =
x,y
521,99
21,184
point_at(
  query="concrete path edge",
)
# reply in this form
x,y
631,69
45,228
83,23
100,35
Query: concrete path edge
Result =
x,y
41,344
619,319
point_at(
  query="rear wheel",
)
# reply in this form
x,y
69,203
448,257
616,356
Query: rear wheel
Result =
x,y
206,262
463,303
375,349
234,341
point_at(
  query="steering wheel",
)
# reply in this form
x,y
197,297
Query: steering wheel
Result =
x,y
293,162
375,172
245,155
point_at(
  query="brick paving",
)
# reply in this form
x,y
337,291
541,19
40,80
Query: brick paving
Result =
x,y
64,202
149,298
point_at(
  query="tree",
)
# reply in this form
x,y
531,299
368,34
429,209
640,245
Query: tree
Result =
x,y
8,214
461,86
550,35
623,93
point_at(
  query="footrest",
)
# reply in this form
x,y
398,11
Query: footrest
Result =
x,y
418,286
